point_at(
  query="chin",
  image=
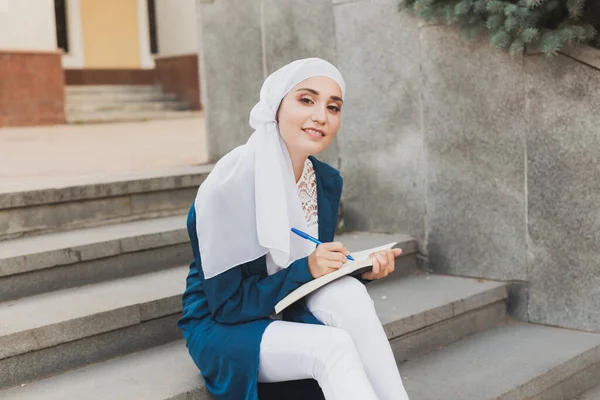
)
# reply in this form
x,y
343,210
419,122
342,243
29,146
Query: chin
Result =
x,y
314,148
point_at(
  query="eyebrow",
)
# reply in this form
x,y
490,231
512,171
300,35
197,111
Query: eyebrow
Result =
x,y
313,91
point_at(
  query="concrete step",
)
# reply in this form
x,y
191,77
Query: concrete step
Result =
x,y
118,97
82,202
95,89
136,105
512,361
592,394
51,333
39,264
160,373
122,116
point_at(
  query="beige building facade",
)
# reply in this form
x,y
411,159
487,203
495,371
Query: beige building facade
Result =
x,y
46,45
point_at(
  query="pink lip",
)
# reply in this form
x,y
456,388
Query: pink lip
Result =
x,y
315,129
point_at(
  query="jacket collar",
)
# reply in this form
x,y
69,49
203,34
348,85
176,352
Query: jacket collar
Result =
x,y
329,187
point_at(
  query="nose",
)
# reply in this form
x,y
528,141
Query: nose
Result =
x,y
319,115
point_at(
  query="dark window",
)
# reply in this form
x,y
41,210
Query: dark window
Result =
x,y
60,14
152,27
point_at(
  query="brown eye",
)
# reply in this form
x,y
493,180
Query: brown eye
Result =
x,y
306,100
334,108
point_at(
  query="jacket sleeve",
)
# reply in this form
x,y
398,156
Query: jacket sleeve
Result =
x,y
233,298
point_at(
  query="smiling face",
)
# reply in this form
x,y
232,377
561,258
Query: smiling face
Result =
x,y
309,116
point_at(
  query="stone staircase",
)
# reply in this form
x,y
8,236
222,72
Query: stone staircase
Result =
x,y
114,103
92,272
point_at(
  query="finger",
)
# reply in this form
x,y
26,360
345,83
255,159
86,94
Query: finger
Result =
x,y
336,264
336,256
368,275
382,258
391,261
375,266
397,252
333,246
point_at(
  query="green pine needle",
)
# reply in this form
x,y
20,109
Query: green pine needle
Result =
x,y
511,9
516,24
501,39
496,6
591,33
529,35
422,7
511,23
449,13
494,22
534,3
517,47
462,8
575,8
479,7
551,43
566,34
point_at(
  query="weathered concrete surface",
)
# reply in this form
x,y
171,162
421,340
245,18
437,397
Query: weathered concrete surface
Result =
x,y
410,304
71,188
94,271
592,394
563,155
510,362
474,141
46,251
433,337
77,203
162,372
46,320
294,30
41,155
381,140
66,356
231,71
405,307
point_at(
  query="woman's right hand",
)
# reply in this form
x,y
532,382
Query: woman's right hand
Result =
x,y
327,258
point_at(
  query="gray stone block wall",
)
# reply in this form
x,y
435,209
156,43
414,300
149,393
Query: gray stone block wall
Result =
x,y
299,29
563,181
474,127
490,160
244,41
381,140
231,71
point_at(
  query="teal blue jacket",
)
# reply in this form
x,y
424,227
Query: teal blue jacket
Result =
x,y
224,317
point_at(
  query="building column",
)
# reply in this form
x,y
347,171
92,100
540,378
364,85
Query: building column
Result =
x,y
177,69
31,73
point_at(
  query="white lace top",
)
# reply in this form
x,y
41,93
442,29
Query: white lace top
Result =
x,y
307,191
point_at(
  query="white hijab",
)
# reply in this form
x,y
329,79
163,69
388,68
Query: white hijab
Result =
x,y
248,204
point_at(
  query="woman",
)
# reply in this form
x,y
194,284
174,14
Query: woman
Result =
x,y
246,258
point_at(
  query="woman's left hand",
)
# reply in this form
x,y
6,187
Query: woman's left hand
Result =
x,y
383,264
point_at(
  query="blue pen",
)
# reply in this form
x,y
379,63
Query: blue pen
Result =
x,y
312,239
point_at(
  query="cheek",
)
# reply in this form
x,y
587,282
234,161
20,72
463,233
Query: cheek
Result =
x,y
334,124
291,121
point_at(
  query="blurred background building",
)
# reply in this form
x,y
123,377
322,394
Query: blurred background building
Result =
x,y
83,61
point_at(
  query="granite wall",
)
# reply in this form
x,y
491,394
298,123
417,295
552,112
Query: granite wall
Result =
x,y
242,43
491,160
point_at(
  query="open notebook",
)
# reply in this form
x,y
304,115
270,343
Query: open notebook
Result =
x,y
362,263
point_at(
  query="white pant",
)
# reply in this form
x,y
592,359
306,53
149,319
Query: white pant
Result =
x,y
350,357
